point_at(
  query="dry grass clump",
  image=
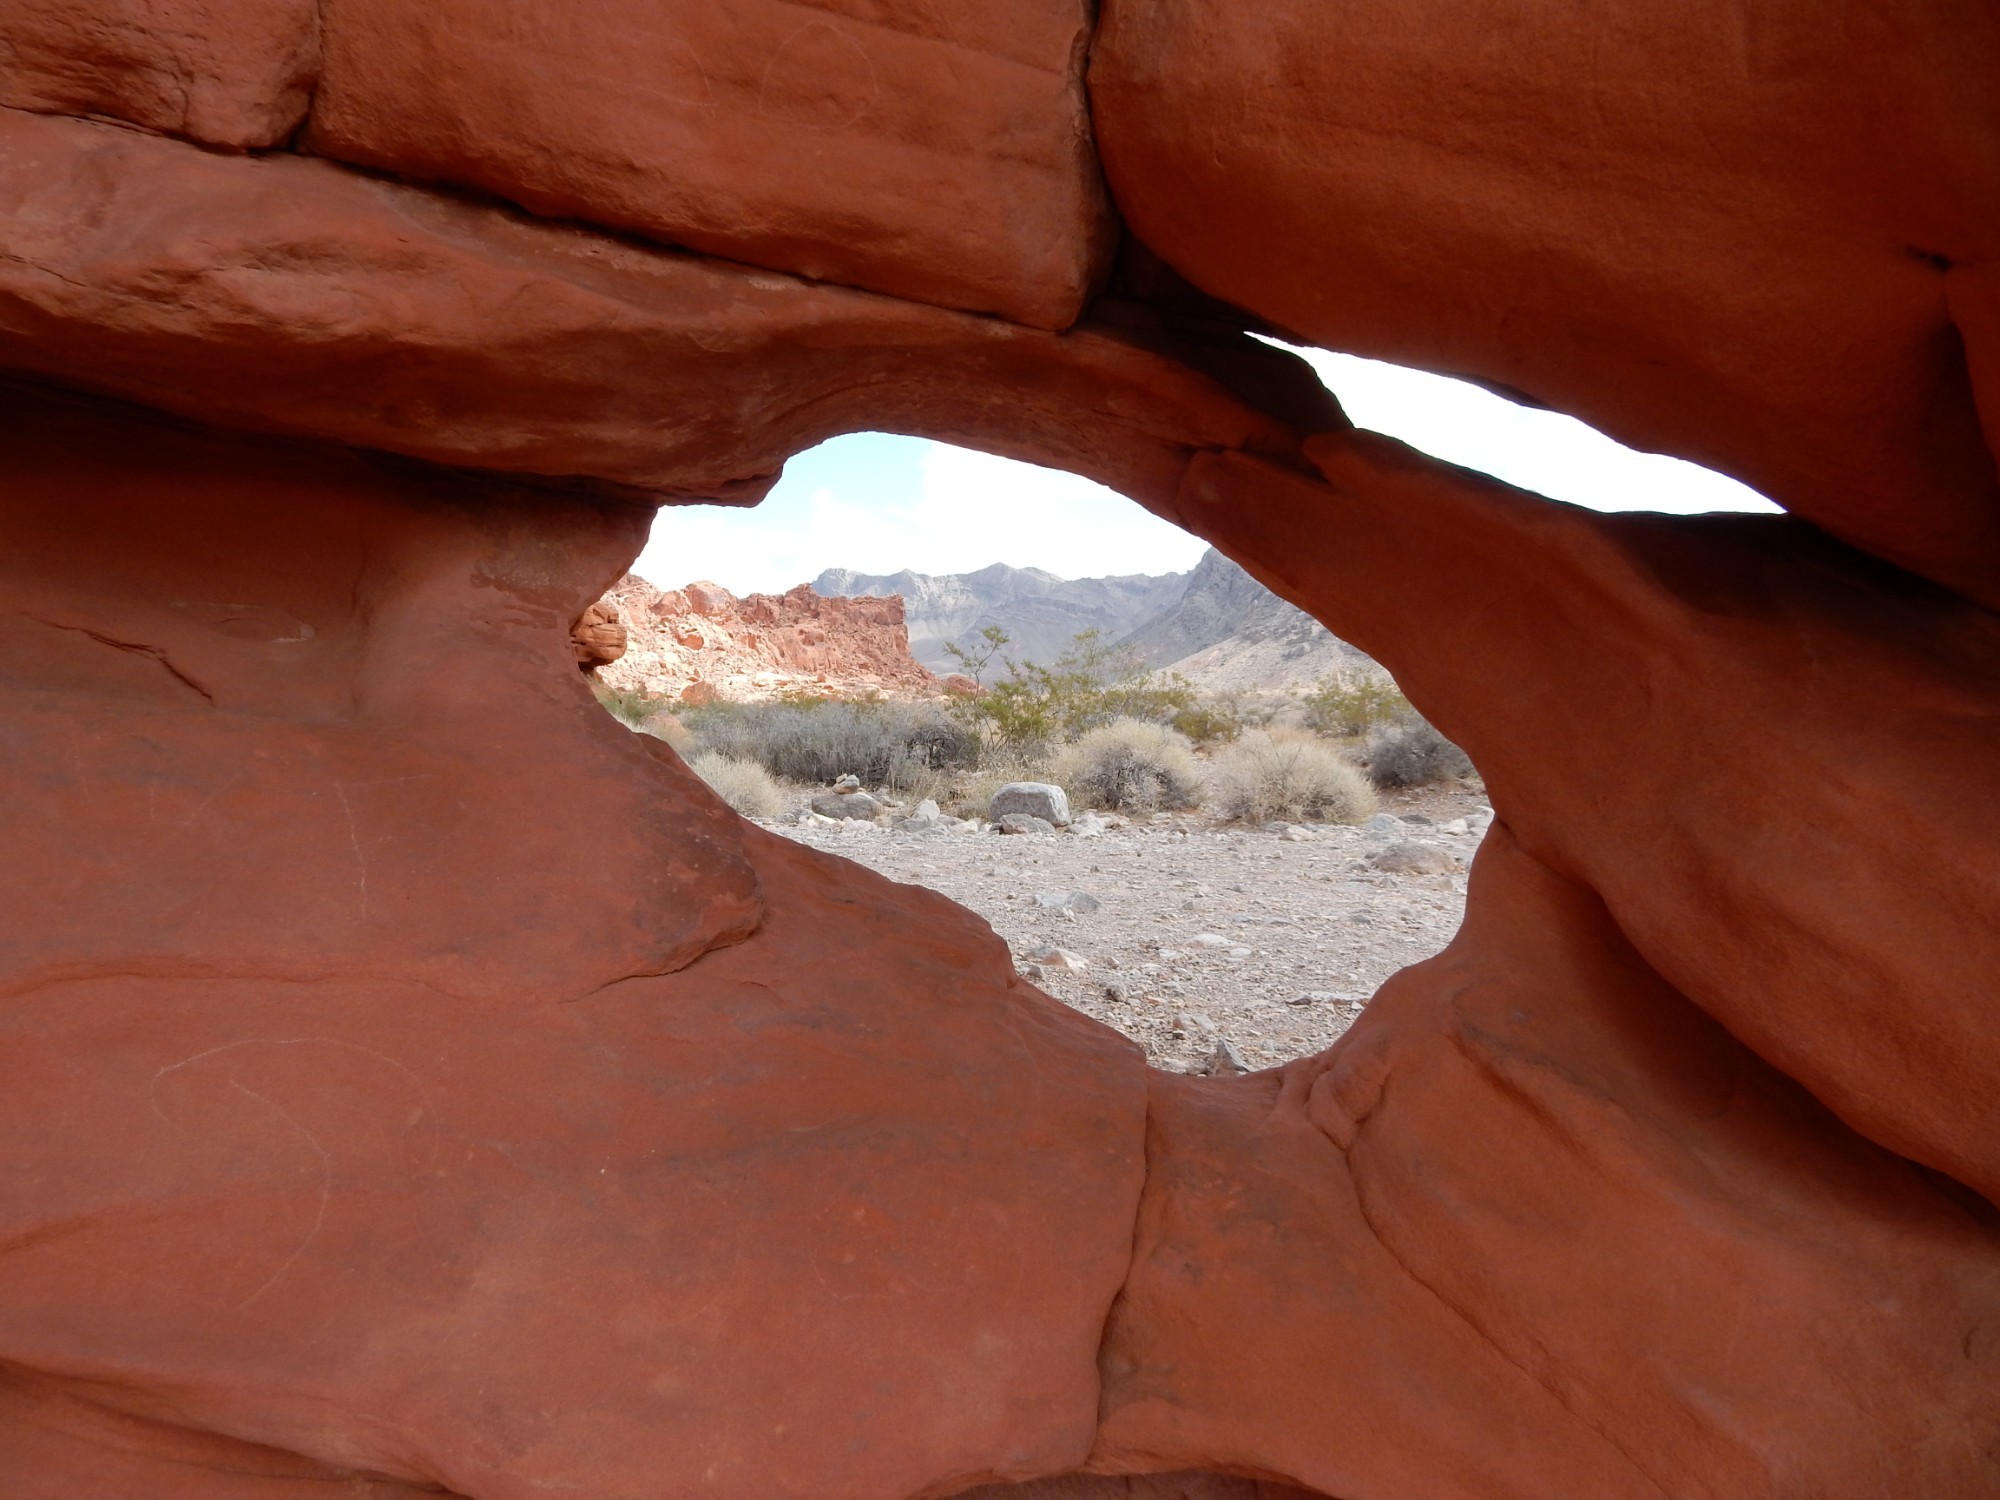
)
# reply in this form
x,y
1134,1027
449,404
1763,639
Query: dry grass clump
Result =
x,y
971,791
629,706
1288,774
743,784
1129,765
1412,753
668,727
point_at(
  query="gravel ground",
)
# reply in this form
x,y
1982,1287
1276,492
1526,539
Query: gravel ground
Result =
x,y
1201,933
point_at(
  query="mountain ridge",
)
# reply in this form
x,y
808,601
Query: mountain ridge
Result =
x,y
1215,624
1040,612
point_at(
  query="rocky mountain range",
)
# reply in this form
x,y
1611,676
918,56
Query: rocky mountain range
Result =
x,y
1226,632
1215,625
1040,612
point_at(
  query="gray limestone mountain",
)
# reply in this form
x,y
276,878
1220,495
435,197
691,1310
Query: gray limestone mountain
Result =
x,y
1039,611
1216,626
1227,633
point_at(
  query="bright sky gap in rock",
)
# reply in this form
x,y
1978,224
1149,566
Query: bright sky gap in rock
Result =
x,y
879,503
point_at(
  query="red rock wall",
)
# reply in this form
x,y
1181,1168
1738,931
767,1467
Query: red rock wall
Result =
x,y
1756,236
355,1069
701,644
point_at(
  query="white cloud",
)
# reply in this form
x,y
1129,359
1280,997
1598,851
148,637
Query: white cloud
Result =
x,y
878,504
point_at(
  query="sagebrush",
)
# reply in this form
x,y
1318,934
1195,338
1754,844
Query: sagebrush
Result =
x,y
1288,774
1130,765
668,727
1414,754
629,706
880,742
743,784
970,794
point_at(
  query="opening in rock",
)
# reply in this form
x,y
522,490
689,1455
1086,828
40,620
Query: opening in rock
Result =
x,y
1256,828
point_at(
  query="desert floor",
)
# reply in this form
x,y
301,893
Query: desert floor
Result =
x,y
1197,933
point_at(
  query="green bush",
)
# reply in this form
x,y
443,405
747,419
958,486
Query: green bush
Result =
x,y
822,741
1208,723
1130,766
1091,683
1414,754
1289,774
1351,708
743,784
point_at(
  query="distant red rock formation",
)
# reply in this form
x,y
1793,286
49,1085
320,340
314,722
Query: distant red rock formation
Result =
x,y
701,643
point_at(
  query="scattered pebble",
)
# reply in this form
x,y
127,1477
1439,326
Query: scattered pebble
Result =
x,y
1314,925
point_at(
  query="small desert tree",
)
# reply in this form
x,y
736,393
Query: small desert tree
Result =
x,y
1092,683
1349,708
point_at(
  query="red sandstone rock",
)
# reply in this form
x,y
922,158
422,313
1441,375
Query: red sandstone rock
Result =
x,y
1689,715
1569,1237
242,765
1742,234
598,639
356,1071
940,154
710,600
447,1092
446,331
702,644
232,73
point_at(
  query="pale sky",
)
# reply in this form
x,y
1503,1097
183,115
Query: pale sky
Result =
x,y
877,503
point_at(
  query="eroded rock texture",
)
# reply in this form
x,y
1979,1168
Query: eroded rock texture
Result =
x,y
702,643
415,1084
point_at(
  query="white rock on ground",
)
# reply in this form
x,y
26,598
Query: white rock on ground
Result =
x,y
1034,799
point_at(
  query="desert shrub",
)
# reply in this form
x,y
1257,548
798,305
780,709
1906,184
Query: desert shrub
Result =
x,y
1413,753
629,706
1090,684
820,742
971,791
1351,708
743,784
1131,766
1208,723
1289,774
913,778
668,727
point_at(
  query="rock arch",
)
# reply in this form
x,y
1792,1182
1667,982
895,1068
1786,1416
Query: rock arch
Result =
x,y
416,1084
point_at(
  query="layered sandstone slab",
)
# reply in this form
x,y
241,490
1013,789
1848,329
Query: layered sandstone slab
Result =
x,y
290,295
702,643
1569,1238
1731,729
942,155
268,758
348,944
232,73
1752,236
